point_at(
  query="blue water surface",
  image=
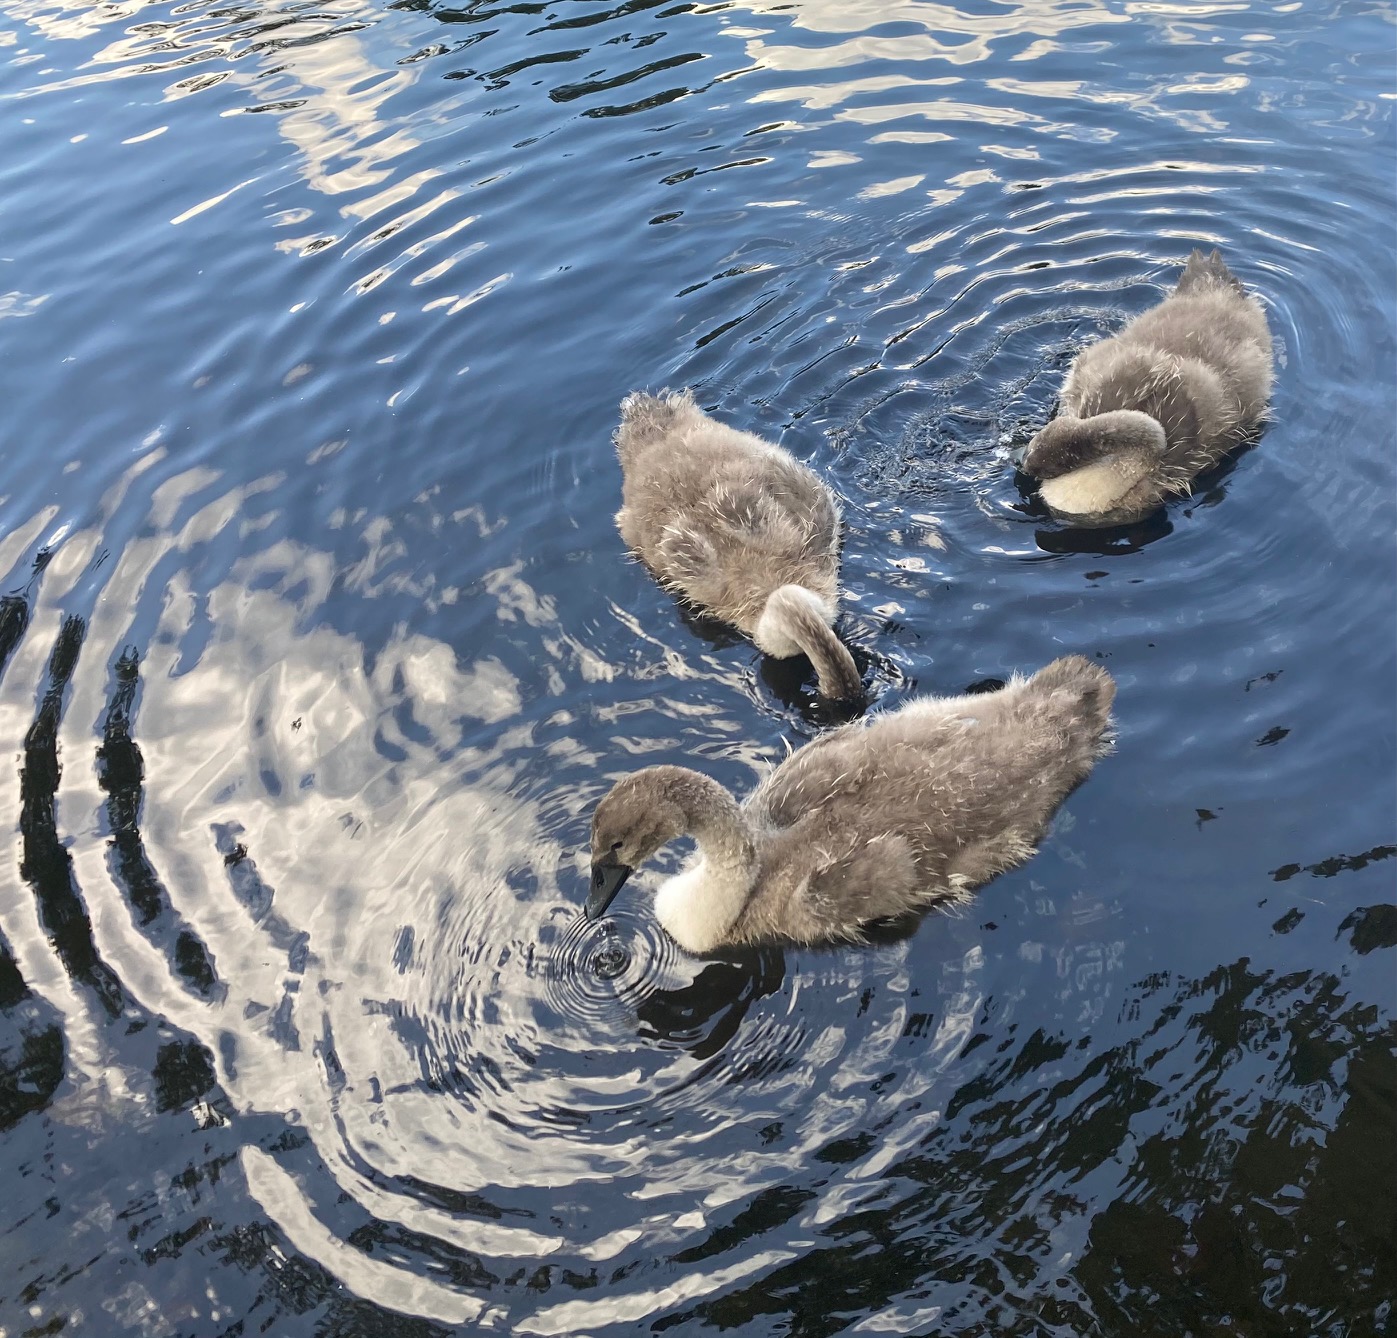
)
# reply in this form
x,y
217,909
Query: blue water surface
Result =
x,y
318,644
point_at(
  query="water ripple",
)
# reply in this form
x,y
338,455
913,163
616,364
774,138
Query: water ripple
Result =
x,y
317,646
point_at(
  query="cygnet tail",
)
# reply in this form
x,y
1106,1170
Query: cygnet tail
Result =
x,y
1206,272
794,620
1091,691
648,418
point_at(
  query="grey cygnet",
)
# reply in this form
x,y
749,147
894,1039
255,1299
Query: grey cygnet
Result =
x,y
879,818
1144,412
738,527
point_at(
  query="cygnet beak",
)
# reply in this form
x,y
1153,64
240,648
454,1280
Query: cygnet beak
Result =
x,y
608,878
1018,455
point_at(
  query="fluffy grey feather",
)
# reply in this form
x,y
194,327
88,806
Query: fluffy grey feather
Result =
x,y
1144,412
738,527
876,819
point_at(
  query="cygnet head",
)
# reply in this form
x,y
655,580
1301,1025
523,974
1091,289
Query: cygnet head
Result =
x,y
1068,444
639,816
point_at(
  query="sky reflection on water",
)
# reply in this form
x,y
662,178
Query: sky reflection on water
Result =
x,y
318,644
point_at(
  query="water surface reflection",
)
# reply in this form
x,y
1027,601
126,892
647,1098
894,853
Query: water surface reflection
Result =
x,y
317,644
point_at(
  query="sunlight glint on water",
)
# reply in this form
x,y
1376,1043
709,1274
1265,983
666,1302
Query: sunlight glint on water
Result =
x,y
318,645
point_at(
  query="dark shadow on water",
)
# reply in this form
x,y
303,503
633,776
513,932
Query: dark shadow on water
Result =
x,y
32,1051
1107,540
45,863
1195,1240
1210,487
704,1015
793,684
718,634
121,773
14,618
769,1210
1371,927
1335,864
183,1072
32,1061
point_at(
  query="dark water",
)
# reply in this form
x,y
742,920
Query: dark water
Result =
x,y
318,644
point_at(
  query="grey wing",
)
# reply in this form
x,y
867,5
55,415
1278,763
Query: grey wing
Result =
x,y
822,516
822,884
832,765
729,522
1097,377
807,509
757,526
1172,401
876,880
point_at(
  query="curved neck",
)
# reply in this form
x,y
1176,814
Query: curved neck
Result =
x,y
834,666
1132,430
700,906
796,619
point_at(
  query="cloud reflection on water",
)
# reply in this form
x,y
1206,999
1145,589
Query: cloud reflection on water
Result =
x,y
399,973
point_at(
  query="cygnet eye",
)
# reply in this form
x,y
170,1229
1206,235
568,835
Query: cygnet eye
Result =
x,y
616,845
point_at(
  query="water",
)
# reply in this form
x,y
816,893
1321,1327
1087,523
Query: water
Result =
x,y
318,645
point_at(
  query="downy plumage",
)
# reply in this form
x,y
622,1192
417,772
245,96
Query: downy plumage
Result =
x,y
1144,412
738,527
879,818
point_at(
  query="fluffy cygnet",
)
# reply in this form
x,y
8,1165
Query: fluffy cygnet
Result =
x,y
873,820
1144,412
736,526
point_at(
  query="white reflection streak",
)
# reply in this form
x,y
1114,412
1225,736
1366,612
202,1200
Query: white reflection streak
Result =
x,y
143,970
857,17
25,679
359,1273
349,842
575,1317
74,23
345,90
212,202
977,34
358,845
20,539
344,143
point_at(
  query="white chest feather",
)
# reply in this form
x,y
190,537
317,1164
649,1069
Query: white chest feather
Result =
x,y
698,906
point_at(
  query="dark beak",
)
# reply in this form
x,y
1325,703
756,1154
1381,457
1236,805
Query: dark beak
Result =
x,y
608,878
1018,455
